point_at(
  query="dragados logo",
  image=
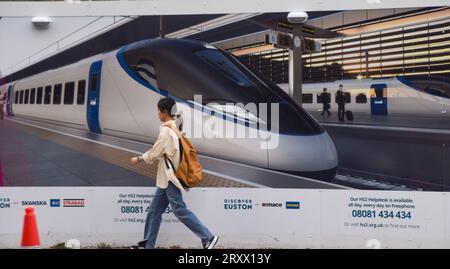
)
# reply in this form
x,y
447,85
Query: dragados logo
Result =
x,y
55,202
292,205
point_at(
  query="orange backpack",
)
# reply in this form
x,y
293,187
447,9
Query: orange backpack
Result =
x,y
189,171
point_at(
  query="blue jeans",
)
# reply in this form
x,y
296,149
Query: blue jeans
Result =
x,y
159,205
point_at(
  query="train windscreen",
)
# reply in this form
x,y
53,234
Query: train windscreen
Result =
x,y
218,77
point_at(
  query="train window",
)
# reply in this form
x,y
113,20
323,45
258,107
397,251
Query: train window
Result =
x,y
81,92
32,95
94,82
21,97
145,69
347,97
39,96
218,61
434,85
57,92
379,92
323,97
16,98
226,81
69,93
361,98
433,90
307,98
147,72
47,95
319,98
27,96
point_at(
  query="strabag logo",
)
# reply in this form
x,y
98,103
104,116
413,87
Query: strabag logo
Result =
x,y
73,203
271,204
5,203
293,205
238,204
34,203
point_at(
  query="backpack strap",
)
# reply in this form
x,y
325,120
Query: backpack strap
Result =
x,y
167,165
171,163
180,149
178,133
174,129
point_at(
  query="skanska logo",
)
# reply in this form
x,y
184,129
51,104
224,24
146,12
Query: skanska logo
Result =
x,y
238,204
34,203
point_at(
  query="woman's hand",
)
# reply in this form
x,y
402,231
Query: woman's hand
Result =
x,y
134,160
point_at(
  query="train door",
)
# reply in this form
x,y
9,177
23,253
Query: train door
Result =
x,y
378,99
9,101
93,104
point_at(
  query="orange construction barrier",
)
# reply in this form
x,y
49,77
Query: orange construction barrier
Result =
x,y
30,235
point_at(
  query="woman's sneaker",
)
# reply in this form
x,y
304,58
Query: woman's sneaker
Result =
x,y
140,245
211,243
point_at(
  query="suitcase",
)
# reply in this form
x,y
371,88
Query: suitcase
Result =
x,y
349,115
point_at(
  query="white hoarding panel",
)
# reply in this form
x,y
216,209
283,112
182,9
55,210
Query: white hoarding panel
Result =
x,y
244,218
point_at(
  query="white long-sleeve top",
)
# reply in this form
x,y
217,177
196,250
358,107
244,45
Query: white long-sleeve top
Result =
x,y
167,143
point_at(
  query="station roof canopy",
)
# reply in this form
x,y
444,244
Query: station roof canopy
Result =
x,y
222,27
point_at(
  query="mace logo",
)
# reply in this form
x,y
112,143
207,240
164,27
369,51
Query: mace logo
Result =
x,y
292,205
55,202
238,204
271,204
73,203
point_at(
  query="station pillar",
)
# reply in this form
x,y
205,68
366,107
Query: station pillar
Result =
x,y
296,66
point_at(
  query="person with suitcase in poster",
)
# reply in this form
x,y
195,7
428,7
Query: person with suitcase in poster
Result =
x,y
326,99
349,115
340,101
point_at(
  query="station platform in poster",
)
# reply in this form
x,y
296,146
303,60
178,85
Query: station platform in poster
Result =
x,y
44,154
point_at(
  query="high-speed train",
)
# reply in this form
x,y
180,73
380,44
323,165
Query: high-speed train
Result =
x,y
427,96
116,93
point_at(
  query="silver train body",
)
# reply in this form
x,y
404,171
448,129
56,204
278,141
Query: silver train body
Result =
x,y
116,93
427,96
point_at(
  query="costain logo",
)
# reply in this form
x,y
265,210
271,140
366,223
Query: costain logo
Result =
x,y
73,202
292,205
238,204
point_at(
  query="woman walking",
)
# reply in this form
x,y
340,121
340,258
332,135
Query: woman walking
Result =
x,y
169,189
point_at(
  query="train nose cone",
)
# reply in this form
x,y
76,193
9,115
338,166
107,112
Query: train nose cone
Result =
x,y
311,156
